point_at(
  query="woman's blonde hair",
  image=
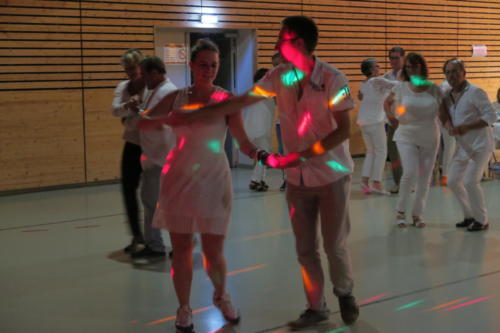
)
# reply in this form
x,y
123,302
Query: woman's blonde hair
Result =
x,y
132,58
203,44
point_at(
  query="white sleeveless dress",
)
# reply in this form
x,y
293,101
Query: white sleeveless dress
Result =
x,y
195,185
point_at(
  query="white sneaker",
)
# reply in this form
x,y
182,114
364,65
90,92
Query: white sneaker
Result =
x,y
365,188
377,191
229,311
401,220
184,320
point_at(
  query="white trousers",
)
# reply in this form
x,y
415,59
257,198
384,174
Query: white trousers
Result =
x,y
376,151
464,177
418,163
259,171
449,146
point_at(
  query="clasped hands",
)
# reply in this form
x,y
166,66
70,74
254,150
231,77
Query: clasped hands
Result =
x,y
459,130
278,161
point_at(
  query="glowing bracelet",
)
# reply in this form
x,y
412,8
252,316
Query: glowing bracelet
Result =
x,y
317,148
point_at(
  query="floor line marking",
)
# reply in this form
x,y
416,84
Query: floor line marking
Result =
x,y
60,222
163,320
403,295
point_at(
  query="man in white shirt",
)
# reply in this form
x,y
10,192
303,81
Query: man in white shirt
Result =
x,y
396,58
314,102
471,117
155,144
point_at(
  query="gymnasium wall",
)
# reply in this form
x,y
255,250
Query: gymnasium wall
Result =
x,y
59,64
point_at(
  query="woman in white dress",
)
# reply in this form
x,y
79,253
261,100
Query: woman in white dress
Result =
x,y
371,120
418,103
196,190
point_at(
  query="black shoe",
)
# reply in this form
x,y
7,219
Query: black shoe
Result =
x,y
349,310
465,223
253,185
476,226
184,329
308,318
283,186
147,253
132,247
262,187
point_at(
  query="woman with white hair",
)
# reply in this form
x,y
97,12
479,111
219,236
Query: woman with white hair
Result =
x,y
129,95
371,120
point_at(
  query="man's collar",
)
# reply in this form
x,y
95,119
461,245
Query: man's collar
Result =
x,y
317,74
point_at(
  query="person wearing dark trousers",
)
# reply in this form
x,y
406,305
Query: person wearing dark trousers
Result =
x,y
396,58
128,95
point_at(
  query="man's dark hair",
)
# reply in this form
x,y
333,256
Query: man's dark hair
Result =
x,y
151,63
455,60
305,28
414,58
366,66
397,49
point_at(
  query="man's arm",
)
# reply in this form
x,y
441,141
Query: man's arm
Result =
x,y
488,115
332,140
388,104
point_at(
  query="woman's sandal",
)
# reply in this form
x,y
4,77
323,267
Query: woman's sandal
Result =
x,y
418,222
400,220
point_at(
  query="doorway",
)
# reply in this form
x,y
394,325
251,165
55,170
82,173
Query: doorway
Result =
x,y
237,62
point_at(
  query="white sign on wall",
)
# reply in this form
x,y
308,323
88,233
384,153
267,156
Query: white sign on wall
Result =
x,y
479,51
174,54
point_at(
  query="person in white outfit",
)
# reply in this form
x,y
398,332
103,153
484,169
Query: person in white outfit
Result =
x,y
155,145
196,190
259,119
129,95
449,144
417,104
471,116
371,120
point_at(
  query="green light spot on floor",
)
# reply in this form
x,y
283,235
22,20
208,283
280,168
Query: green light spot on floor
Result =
x,y
410,305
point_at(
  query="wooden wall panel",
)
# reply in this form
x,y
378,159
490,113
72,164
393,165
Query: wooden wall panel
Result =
x,y
42,139
68,49
103,134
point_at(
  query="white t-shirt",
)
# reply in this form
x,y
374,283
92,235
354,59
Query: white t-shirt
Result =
x,y
259,119
473,104
309,119
417,114
374,91
156,143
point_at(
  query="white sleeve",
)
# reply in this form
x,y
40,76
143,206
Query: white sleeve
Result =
x,y
482,103
340,98
118,108
382,85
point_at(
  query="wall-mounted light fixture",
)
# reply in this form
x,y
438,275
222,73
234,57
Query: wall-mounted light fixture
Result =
x,y
207,18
